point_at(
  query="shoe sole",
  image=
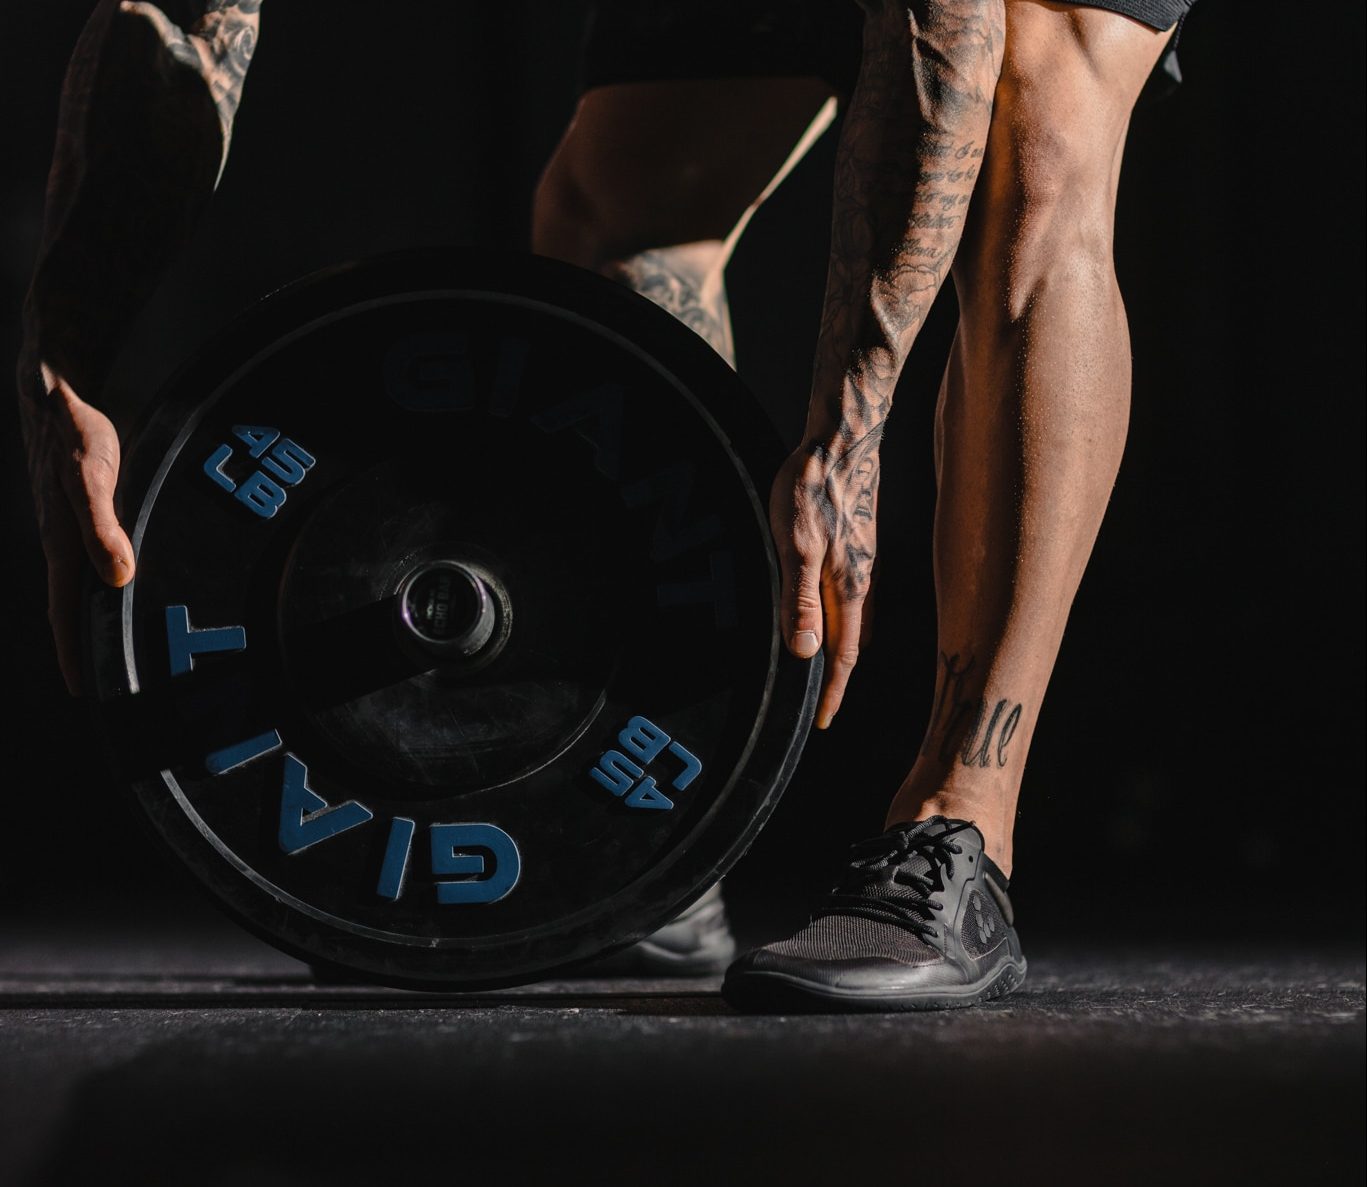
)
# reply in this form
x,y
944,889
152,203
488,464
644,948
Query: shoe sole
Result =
x,y
769,992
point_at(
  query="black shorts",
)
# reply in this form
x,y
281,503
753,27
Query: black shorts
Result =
x,y
654,40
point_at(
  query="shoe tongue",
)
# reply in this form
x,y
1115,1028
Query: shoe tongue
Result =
x,y
916,862
881,882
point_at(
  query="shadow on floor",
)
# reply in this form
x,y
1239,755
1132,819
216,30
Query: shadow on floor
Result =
x,y
1127,1069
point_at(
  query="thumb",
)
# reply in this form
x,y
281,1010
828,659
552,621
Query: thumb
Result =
x,y
89,486
106,543
801,604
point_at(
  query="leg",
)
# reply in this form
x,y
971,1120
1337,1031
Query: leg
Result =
x,y
653,183
1033,410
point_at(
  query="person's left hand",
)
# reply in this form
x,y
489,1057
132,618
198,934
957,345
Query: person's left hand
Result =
x,y
823,510
73,462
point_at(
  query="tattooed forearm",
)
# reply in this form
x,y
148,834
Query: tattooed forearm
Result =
x,y
907,163
147,111
908,160
965,725
697,301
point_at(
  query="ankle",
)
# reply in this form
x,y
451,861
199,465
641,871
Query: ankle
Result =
x,y
990,812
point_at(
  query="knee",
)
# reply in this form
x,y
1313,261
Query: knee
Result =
x,y
566,223
1058,131
1059,170
569,223
1049,217
1063,197
573,222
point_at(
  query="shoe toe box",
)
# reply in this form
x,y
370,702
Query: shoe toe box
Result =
x,y
873,974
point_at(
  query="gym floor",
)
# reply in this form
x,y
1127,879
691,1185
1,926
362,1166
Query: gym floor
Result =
x,y
190,1053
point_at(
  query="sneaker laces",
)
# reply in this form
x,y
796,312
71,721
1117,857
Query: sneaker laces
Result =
x,y
884,881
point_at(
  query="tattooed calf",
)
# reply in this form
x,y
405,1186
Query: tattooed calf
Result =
x,y
656,275
969,726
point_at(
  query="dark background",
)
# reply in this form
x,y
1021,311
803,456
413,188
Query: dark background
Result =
x,y
1199,762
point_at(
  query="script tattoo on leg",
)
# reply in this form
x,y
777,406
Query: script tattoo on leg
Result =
x,y
964,723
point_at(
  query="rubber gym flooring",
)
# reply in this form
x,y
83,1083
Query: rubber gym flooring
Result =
x,y
191,1054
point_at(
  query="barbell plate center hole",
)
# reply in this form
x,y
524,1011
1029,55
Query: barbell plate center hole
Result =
x,y
448,608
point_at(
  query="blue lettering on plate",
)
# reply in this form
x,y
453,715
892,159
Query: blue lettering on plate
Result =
x,y
184,642
692,766
260,494
220,762
430,373
512,364
395,869
616,772
306,817
597,417
213,467
452,846
257,438
644,741
290,462
675,532
647,794
262,491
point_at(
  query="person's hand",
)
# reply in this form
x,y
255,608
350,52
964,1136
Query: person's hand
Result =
x,y
73,463
823,509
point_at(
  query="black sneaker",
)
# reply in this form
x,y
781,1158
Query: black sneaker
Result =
x,y
919,921
695,943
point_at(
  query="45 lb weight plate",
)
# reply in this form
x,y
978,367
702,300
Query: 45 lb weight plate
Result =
x,y
453,654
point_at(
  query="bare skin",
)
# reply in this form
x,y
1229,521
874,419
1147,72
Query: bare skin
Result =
x,y
654,183
1034,405
146,119
986,134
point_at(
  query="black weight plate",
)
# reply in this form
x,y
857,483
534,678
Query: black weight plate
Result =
x,y
447,432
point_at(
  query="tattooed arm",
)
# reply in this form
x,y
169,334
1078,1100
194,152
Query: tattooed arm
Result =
x,y
146,117
909,153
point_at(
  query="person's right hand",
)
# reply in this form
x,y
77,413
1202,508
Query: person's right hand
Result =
x,y
73,463
823,512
